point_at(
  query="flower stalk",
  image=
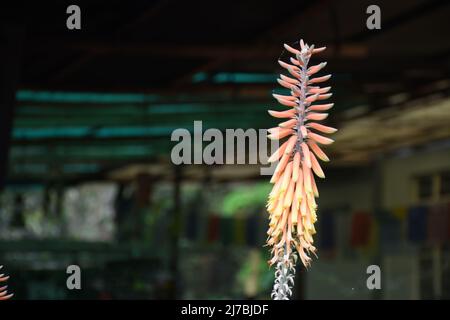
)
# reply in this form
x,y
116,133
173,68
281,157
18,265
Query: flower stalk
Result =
x,y
291,205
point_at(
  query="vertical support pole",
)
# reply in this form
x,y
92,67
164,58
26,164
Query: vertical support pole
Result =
x,y
377,209
60,208
175,231
10,37
300,283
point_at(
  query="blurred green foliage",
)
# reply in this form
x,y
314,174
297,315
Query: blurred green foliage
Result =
x,y
244,198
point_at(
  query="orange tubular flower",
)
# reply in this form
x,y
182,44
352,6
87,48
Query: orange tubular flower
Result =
x,y
3,293
291,204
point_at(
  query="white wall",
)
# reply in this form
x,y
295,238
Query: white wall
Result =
x,y
398,174
353,189
356,188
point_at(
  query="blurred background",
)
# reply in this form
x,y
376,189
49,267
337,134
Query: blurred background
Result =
x,y
85,172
